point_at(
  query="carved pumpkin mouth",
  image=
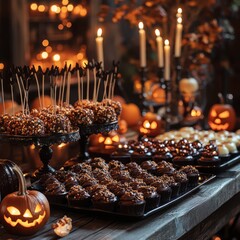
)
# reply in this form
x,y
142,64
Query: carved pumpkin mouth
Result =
x,y
219,127
25,223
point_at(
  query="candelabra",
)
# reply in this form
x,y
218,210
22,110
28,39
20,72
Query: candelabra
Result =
x,y
143,78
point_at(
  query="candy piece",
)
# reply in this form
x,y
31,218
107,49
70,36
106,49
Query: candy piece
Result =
x,y
63,226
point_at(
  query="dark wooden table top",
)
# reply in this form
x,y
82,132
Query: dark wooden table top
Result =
x,y
197,216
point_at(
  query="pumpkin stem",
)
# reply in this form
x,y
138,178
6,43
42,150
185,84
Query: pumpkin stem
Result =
x,y
21,179
221,98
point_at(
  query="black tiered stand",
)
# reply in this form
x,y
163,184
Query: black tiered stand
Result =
x,y
45,142
85,131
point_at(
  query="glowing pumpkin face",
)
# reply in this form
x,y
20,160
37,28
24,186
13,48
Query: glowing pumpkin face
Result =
x,y
222,117
151,125
24,212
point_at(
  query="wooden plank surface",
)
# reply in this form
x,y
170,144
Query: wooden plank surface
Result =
x,y
192,218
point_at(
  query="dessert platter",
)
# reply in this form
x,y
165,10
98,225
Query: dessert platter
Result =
x,y
208,151
129,190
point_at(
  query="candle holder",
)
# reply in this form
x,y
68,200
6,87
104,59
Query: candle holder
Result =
x,y
178,69
161,76
143,78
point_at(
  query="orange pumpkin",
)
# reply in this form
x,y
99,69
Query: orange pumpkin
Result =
x,y
24,212
9,106
123,127
118,98
151,125
131,114
47,101
159,95
222,117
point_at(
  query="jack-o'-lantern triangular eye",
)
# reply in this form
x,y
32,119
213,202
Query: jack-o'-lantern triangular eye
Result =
x,y
13,211
213,113
224,114
38,208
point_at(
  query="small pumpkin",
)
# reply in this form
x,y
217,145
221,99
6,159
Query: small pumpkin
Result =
x,y
24,212
222,117
8,178
131,114
151,125
123,127
158,94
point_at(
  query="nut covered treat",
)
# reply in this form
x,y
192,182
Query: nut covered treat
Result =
x,y
104,200
56,123
114,104
126,189
78,196
104,114
192,174
131,203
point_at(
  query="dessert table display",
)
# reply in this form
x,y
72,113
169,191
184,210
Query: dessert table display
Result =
x,y
199,216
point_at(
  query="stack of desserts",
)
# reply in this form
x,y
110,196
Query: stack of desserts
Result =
x,y
129,189
183,147
60,119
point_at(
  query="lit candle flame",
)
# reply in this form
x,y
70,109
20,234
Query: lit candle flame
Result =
x,y
157,32
166,42
179,20
99,32
179,10
140,25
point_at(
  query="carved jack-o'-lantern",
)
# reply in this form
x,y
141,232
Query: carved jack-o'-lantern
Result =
x,y
188,88
107,141
24,212
222,117
158,94
151,125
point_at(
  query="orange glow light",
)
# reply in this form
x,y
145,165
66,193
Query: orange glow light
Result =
x,y
41,8
33,6
48,49
70,7
45,42
65,2
44,55
60,27
56,57
1,66
54,8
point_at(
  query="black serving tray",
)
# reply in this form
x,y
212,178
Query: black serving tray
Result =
x,y
41,140
97,128
224,164
203,179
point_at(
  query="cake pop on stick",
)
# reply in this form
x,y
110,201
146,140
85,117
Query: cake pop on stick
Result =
x,y
60,86
110,84
106,79
54,86
12,80
20,91
68,84
94,81
50,74
41,73
2,91
99,77
64,81
27,86
78,81
88,67
115,74
37,82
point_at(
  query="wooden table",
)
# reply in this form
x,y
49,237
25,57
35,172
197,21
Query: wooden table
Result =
x,y
198,216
